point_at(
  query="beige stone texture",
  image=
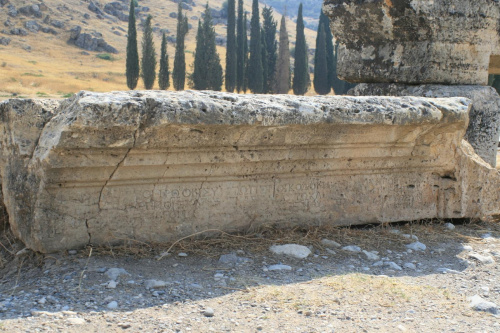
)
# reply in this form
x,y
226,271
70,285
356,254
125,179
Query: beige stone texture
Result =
x,y
156,166
415,41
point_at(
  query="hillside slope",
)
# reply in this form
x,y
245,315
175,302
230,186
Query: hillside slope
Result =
x,y
36,58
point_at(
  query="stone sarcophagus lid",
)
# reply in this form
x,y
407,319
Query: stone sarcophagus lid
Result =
x,y
156,166
415,41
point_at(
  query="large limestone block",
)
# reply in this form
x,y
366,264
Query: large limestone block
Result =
x,y
156,166
415,41
484,125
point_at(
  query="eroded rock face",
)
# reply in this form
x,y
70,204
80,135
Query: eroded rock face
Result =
x,y
484,125
415,42
156,166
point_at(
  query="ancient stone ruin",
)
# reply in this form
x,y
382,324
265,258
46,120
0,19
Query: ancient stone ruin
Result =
x,y
100,168
410,43
155,166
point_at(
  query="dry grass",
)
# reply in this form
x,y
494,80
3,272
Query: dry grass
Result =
x,y
338,292
54,69
372,238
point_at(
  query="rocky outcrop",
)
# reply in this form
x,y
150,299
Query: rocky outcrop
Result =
x,y
4,41
89,42
156,166
484,125
415,42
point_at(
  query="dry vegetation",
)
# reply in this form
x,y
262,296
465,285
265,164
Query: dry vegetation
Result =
x,y
55,69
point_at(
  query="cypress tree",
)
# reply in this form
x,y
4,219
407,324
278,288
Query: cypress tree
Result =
x,y
198,78
164,76
240,52
245,54
321,84
207,73
132,62
323,20
269,28
179,72
148,55
254,75
265,88
282,75
231,47
301,78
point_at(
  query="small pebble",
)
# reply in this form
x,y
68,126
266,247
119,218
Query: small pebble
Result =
x,y
182,254
112,305
208,312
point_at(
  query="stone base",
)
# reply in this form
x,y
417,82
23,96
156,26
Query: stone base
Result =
x,y
156,166
484,120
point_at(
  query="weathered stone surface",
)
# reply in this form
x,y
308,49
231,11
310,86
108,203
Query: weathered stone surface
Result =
x,y
408,41
155,166
484,125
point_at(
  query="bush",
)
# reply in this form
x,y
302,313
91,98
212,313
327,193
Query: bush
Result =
x,y
105,56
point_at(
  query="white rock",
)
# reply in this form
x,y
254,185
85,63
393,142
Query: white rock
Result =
x,y
467,248
378,263
352,248
218,275
111,284
42,300
279,267
395,231
410,236
417,246
72,252
484,259
410,265
393,265
329,243
76,321
330,251
152,284
479,304
182,254
449,226
208,312
114,273
445,270
293,250
371,255
112,305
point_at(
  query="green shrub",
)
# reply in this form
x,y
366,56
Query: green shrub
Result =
x,y
105,56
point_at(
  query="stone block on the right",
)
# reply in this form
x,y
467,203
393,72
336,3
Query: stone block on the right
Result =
x,y
484,119
415,42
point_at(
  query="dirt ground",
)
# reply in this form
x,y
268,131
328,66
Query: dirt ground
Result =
x,y
193,287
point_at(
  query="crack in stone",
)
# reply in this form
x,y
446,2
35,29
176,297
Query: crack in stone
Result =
x,y
116,169
88,232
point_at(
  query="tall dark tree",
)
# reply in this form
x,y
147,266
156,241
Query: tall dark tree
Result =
x,y
269,30
148,61
323,20
321,84
265,87
301,80
282,75
132,62
207,73
245,54
255,75
231,47
164,76
179,72
240,52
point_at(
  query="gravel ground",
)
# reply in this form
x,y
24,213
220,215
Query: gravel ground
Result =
x,y
354,280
